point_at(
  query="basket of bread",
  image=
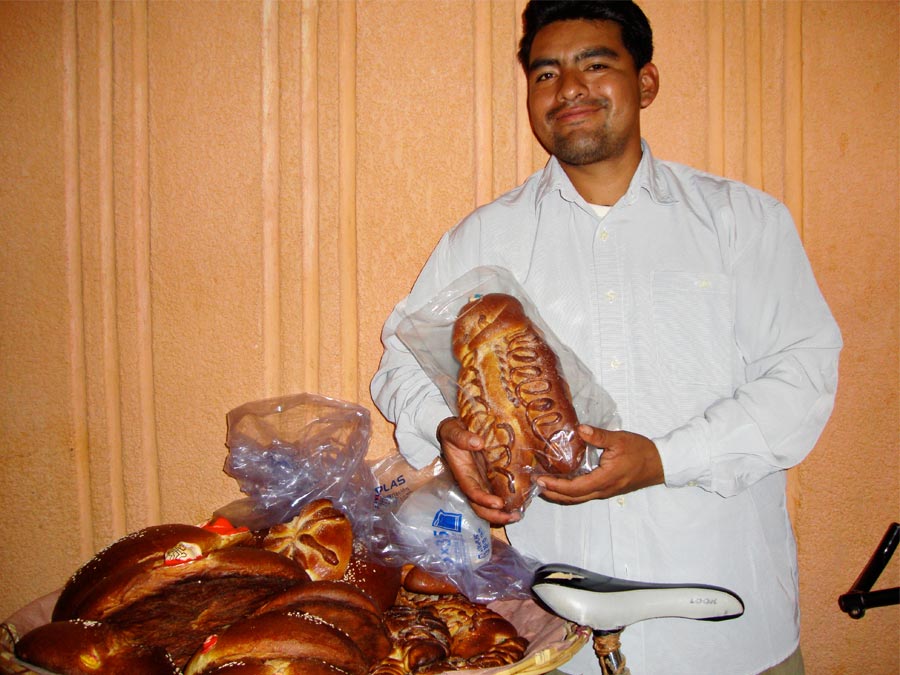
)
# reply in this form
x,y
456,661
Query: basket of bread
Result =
x,y
307,593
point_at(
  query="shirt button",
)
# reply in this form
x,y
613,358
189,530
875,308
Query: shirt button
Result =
x,y
604,235
611,296
615,364
620,501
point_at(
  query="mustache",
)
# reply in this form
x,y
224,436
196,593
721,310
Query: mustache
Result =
x,y
598,103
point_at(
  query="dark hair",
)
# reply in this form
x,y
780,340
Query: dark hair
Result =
x,y
637,36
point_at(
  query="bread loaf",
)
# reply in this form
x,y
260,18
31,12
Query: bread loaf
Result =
x,y
320,538
378,581
417,580
339,591
278,636
149,545
76,647
512,394
364,627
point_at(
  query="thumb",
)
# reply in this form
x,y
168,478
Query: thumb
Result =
x,y
594,436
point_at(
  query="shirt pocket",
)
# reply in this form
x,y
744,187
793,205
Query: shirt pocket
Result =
x,y
692,318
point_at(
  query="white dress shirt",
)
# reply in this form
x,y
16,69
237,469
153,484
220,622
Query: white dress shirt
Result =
x,y
694,304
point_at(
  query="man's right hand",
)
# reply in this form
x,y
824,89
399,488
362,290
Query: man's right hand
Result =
x,y
458,446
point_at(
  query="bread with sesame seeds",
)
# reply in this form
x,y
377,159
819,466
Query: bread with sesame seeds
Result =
x,y
76,647
149,544
282,637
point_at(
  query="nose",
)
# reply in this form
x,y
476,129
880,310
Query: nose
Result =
x,y
571,85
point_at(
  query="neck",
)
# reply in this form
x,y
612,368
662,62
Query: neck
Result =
x,y
604,182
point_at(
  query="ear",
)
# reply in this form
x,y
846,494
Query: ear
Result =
x,y
648,77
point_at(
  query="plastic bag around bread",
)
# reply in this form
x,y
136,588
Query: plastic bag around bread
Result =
x,y
503,371
287,451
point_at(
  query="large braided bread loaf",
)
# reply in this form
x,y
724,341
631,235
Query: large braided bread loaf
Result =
x,y
512,394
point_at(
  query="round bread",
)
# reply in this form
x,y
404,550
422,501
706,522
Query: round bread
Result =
x,y
88,647
365,628
380,582
151,577
418,638
275,667
474,628
339,591
417,580
320,538
148,544
279,636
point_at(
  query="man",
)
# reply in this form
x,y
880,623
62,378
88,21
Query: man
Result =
x,y
692,302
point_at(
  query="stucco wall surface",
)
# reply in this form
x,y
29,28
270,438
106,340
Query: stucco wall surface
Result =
x,y
206,203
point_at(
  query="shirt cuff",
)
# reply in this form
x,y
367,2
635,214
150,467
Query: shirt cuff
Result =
x,y
685,458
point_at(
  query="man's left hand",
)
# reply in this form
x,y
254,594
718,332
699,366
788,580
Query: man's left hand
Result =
x,y
628,462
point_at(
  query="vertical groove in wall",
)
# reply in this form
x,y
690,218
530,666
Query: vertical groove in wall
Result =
x,y
140,171
524,142
483,100
270,201
753,159
78,375
793,110
793,161
309,190
347,243
715,50
108,277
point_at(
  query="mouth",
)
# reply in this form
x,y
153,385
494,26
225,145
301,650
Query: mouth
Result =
x,y
572,114
577,113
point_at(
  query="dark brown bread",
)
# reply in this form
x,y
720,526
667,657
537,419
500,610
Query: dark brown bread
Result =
x,y
149,544
417,580
280,636
130,585
379,582
364,627
88,647
275,667
512,394
339,591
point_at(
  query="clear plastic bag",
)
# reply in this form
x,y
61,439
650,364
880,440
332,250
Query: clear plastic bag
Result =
x,y
422,517
427,333
289,450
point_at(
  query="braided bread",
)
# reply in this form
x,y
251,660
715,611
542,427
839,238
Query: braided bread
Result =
x,y
512,394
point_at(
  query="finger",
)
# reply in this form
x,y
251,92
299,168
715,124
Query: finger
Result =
x,y
563,487
470,479
496,516
599,438
560,498
453,432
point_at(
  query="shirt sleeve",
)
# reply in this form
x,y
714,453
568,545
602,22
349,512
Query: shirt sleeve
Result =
x,y
400,388
407,397
790,344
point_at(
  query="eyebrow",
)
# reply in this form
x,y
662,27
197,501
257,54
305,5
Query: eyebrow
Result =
x,y
583,55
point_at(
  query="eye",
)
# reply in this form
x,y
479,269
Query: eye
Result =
x,y
543,77
597,66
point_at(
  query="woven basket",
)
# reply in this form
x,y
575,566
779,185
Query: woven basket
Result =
x,y
553,641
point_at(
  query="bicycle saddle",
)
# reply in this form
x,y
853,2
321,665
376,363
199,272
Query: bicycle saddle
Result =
x,y
609,604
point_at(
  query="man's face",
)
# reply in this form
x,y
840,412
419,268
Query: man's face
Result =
x,y
584,93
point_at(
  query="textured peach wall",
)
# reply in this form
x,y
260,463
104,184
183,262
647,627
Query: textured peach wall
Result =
x,y
205,203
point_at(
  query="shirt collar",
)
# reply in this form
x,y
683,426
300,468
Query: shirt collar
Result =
x,y
647,177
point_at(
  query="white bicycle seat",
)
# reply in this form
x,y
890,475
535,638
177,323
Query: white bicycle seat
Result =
x,y
609,604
